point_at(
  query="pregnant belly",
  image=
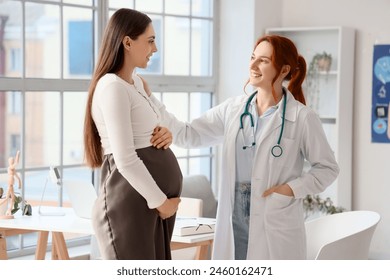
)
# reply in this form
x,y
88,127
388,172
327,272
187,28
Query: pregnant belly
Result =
x,y
164,168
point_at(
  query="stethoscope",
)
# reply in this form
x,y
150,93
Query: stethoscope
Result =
x,y
276,150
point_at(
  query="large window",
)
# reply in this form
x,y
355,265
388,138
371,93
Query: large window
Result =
x,y
47,53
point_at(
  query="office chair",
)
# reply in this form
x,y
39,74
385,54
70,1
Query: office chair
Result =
x,y
341,236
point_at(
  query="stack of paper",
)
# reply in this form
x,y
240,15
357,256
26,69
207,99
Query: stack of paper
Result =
x,y
190,226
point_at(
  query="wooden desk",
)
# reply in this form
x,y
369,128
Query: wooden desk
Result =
x,y
71,223
204,241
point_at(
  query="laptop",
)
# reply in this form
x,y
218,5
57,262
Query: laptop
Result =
x,y
82,196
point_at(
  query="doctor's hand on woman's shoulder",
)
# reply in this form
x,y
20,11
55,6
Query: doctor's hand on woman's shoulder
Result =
x,y
161,138
168,208
280,189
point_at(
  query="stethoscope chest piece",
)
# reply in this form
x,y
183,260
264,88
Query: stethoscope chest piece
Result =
x,y
277,150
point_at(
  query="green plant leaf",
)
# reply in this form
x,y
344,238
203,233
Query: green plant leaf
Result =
x,y
13,211
18,199
316,203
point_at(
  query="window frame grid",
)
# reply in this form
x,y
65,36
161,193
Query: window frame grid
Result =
x,y
159,83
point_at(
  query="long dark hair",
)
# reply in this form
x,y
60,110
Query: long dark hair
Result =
x,y
124,22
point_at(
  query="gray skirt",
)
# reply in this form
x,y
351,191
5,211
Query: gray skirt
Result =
x,y
125,227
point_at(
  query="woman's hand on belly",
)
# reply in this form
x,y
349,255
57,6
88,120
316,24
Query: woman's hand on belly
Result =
x,y
161,138
168,208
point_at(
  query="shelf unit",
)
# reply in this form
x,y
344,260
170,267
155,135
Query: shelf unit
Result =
x,y
333,95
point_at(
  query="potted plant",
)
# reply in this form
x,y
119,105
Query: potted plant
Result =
x,y
18,204
320,62
314,205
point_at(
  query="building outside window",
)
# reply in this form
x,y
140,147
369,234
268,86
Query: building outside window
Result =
x,y
47,53
15,59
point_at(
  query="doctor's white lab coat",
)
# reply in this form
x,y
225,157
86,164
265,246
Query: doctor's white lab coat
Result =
x,y
276,226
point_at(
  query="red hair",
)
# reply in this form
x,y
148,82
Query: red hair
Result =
x,y
285,53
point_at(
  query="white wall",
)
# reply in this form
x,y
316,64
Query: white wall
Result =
x,y
242,23
235,44
240,26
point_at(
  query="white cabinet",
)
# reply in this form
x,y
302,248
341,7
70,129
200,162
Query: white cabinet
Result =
x,y
331,95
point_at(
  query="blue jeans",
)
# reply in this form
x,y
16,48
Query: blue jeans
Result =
x,y
241,214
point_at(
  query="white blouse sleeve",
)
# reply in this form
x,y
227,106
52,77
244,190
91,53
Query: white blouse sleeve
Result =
x,y
115,105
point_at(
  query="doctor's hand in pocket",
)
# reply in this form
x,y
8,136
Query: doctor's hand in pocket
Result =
x,y
161,138
280,189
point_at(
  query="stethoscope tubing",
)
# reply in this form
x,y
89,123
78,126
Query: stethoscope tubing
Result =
x,y
276,150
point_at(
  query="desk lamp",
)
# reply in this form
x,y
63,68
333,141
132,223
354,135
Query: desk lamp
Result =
x,y
55,178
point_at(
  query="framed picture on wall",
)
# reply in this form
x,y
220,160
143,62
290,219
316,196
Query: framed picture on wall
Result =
x,y
380,131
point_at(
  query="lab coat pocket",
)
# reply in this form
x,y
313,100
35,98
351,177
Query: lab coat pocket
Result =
x,y
289,152
282,212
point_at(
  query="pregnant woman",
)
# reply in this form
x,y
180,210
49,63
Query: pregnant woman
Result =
x,y
134,214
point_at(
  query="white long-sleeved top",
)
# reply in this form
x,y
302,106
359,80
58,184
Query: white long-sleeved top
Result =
x,y
125,118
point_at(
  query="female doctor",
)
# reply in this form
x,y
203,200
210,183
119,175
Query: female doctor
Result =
x,y
266,138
